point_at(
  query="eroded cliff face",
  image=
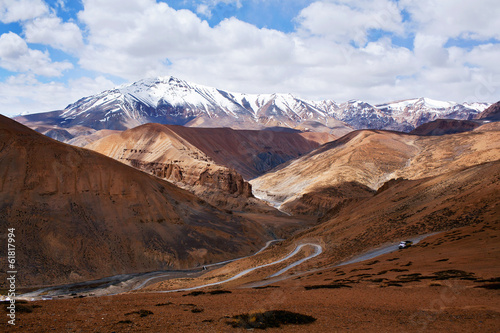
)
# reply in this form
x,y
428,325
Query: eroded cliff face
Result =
x,y
161,152
212,176
79,215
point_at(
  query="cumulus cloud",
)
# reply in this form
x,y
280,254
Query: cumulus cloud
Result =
x,y
346,21
447,18
340,49
21,10
25,94
16,56
50,30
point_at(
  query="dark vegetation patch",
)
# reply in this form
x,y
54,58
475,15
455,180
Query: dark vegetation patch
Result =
x,y
408,264
141,313
197,310
495,279
453,274
360,276
164,304
372,262
398,270
393,284
265,287
392,259
269,319
490,286
194,293
360,269
218,292
440,260
415,277
327,286
212,292
125,322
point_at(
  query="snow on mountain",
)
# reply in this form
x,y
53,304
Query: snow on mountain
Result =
x,y
173,101
169,100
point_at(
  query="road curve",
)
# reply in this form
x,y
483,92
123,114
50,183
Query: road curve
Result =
x,y
318,251
143,283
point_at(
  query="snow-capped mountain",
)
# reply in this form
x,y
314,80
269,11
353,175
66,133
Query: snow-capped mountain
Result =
x,y
172,101
169,100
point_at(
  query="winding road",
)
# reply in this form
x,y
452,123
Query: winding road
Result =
x,y
122,283
210,265
318,251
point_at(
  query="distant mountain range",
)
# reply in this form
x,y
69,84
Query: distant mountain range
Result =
x,y
168,100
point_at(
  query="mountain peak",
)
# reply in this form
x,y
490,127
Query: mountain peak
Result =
x,y
170,100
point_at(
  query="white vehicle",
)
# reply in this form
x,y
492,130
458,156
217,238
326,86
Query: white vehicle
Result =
x,y
405,244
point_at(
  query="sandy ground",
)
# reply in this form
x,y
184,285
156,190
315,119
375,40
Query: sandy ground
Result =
x,y
435,286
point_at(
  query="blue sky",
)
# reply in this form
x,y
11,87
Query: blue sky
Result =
x,y
55,52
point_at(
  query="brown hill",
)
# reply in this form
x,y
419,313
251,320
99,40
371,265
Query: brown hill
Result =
x,y
159,150
413,207
251,153
491,113
465,200
79,215
493,126
445,126
372,158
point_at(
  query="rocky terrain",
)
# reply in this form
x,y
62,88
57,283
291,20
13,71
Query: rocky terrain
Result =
x,y
492,113
80,215
207,162
448,281
370,159
445,126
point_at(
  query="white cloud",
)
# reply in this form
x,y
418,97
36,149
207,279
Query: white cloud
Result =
x,y
50,30
25,94
21,10
451,19
330,55
16,56
346,21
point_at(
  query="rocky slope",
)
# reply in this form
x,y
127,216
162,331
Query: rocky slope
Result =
x,y
445,126
492,113
79,215
209,162
160,151
371,158
464,197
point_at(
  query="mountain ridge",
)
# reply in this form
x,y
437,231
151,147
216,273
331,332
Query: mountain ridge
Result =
x,y
169,100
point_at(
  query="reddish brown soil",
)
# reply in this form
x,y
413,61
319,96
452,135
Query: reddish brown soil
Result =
x,y
386,295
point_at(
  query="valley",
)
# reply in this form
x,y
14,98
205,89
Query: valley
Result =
x,y
191,225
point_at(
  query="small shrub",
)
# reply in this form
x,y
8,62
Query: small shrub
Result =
x,y
163,304
327,286
269,319
195,293
218,292
491,286
196,310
